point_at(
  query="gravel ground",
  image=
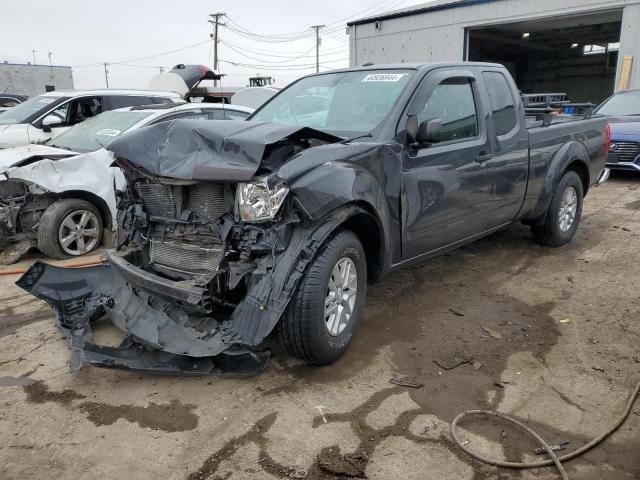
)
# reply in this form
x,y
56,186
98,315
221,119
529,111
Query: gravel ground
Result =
x,y
550,336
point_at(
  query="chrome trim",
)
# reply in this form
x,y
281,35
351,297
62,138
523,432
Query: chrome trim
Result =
x,y
604,176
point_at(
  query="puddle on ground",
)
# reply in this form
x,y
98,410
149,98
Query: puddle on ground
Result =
x,y
16,381
173,417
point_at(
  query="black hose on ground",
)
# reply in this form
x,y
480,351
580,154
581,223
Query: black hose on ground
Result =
x,y
554,458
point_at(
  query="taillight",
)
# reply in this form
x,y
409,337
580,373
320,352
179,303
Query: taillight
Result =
x,y
607,139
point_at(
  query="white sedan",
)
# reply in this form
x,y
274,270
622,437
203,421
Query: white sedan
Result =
x,y
61,196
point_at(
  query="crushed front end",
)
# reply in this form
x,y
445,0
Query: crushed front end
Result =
x,y
210,252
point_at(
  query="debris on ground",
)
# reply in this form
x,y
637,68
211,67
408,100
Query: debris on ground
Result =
x,y
406,383
554,448
321,409
350,465
457,313
452,363
476,365
499,385
598,368
565,320
491,333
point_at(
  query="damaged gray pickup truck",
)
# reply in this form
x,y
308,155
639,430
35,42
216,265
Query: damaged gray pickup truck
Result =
x,y
233,229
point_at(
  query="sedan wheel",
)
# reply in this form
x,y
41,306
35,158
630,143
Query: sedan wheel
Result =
x,y
79,232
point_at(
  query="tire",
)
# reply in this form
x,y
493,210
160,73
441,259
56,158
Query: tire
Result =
x,y
51,222
551,232
302,329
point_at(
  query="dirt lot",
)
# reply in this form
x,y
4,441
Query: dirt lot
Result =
x,y
549,336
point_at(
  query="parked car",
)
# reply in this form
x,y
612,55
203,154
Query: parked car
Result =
x,y
623,112
60,196
50,114
239,228
9,100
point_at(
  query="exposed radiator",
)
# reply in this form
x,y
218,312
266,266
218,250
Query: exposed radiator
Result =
x,y
158,199
186,258
207,199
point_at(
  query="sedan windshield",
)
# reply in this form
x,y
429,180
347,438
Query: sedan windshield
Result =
x,y
621,104
98,131
342,103
23,112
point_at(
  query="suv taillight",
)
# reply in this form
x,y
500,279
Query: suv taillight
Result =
x,y
607,139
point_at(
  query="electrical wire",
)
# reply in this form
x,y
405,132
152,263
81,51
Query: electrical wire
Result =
x,y
554,460
148,57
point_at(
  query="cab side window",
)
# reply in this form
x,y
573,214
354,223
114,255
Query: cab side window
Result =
x,y
452,101
502,104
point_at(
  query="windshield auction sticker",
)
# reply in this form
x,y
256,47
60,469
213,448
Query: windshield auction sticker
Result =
x,y
383,77
108,132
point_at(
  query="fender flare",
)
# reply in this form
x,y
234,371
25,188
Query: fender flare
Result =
x,y
570,153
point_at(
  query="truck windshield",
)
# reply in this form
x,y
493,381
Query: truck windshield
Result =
x,y
98,131
23,112
621,104
341,103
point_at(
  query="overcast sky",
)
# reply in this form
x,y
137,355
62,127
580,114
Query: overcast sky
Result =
x,y
86,33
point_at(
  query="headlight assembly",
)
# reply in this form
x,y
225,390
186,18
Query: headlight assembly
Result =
x,y
260,200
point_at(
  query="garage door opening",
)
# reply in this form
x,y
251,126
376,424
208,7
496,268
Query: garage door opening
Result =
x,y
576,55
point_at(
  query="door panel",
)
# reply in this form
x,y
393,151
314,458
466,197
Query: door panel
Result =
x,y
447,186
510,162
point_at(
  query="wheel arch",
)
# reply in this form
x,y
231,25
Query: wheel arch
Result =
x,y
93,199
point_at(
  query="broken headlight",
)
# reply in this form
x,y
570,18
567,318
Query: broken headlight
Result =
x,y
259,201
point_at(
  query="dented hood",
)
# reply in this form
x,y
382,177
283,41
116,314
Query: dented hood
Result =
x,y
217,150
18,156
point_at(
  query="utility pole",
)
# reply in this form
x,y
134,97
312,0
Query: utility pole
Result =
x,y
216,23
34,56
317,29
50,66
106,74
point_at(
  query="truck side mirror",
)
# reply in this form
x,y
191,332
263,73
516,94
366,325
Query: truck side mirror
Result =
x,y
429,131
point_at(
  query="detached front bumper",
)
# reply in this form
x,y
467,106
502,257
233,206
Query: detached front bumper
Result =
x,y
167,330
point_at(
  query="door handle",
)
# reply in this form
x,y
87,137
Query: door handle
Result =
x,y
483,157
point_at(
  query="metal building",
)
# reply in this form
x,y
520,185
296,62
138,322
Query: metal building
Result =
x,y
586,48
32,80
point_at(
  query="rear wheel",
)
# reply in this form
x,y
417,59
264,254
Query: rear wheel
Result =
x,y
69,228
322,318
563,216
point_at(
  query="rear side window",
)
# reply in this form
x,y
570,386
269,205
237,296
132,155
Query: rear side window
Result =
x,y
129,101
453,103
235,115
502,104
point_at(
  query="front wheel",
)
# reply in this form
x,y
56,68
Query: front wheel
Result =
x,y
563,216
69,228
323,315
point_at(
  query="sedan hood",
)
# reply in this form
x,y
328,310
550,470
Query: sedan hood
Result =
x,y
625,125
218,150
21,156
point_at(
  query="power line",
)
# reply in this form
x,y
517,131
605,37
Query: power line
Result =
x,y
131,60
289,59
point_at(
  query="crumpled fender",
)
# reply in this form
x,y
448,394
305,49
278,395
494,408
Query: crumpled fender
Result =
x,y
91,173
258,313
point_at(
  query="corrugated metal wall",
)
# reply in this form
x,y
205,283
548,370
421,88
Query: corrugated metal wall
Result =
x,y
440,35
